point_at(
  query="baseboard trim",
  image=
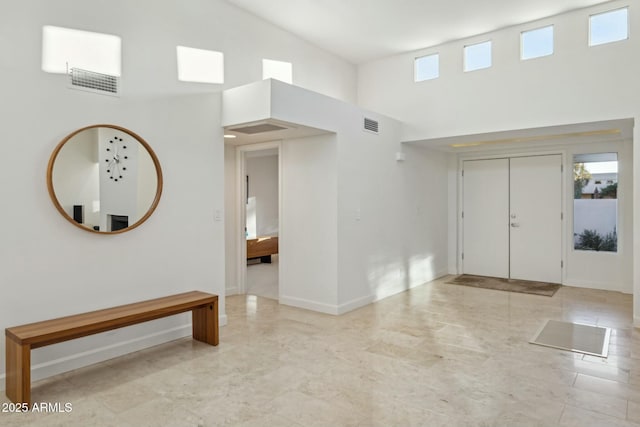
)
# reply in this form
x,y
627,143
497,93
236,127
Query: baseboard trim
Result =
x,y
222,320
309,305
596,285
399,290
354,304
350,305
101,354
231,291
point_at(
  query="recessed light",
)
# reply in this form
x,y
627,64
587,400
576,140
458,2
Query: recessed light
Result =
x,y
229,136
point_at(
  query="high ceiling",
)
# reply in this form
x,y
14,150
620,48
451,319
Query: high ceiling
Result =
x,y
363,30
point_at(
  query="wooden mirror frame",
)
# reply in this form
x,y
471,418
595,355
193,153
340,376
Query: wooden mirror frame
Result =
x,y
138,138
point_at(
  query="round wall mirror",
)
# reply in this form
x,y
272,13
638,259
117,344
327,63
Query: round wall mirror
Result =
x,y
104,179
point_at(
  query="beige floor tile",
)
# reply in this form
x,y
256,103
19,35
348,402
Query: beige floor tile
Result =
x,y
311,411
597,402
436,355
161,412
633,412
608,387
85,412
576,417
268,420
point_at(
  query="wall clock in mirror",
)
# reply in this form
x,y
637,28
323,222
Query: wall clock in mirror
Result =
x,y
104,179
116,158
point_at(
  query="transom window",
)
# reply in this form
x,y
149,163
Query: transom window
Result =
x,y
66,48
477,56
427,67
536,43
200,65
609,26
279,70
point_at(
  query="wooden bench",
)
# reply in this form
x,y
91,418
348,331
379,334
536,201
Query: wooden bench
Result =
x,y
21,339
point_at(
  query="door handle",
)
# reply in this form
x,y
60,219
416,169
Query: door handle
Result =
x,y
515,224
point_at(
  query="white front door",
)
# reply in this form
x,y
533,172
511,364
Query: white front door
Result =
x,y
536,218
512,225
486,217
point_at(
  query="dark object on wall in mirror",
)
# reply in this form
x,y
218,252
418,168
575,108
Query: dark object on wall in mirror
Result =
x,y
78,214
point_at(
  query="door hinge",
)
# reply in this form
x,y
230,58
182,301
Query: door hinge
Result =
x,y
561,264
561,168
462,214
463,255
561,215
463,172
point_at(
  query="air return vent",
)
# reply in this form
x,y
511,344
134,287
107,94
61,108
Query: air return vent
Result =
x,y
258,128
91,81
370,125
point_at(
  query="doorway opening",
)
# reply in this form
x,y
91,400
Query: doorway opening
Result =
x,y
259,182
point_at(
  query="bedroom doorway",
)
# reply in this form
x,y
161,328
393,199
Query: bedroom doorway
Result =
x,y
259,179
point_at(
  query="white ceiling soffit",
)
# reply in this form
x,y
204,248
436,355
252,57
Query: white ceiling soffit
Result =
x,y
364,30
609,130
267,130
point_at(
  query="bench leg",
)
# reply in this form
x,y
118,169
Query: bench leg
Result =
x,y
18,372
205,323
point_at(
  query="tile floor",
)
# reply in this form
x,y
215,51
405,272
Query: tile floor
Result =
x,y
437,355
262,278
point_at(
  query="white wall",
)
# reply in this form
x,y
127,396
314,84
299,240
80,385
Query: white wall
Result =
x,y
309,231
45,262
391,232
231,220
263,187
351,213
392,215
574,85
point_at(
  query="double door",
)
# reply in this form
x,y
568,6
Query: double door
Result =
x,y
512,218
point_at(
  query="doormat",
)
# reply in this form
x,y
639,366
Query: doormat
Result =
x,y
576,337
510,285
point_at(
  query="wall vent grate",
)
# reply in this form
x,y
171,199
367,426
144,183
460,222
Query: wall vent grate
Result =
x,y
91,81
370,125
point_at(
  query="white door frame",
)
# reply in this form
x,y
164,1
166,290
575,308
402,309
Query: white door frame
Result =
x,y
241,209
503,154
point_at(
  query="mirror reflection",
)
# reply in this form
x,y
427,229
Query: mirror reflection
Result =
x,y
104,178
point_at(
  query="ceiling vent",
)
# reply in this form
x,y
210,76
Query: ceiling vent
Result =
x,y
91,81
258,128
370,125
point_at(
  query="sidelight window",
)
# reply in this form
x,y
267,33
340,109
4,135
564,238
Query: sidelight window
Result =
x,y
595,202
